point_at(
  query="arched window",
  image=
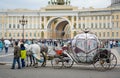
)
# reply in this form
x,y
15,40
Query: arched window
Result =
x,y
9,34
42,34
75,26
75,33
42,26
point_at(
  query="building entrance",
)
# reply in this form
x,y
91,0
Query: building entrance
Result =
x,y
58,28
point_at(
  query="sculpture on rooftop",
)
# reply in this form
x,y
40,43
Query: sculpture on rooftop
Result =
x,y
59,2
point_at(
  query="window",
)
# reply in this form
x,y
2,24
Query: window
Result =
x,y
91,25
108,34
117,34
79,18
113,24
26,35
10,35
117,25
112,34
108,25
83,18
42,26
108,17
75,26
113,17
42,18
13,25
91,18
96,33
95,25
9,25
34,34
104,25
48,18
83,25
18,26
100,25
99,34
70,17
96,18
117,17
104,17
103,34
75,33
99,17
42,34
18,35
75,18
30,34
79,25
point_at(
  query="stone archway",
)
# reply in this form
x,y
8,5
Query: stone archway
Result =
x,y
58,28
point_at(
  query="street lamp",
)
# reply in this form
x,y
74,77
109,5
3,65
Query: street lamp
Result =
x,y
23,22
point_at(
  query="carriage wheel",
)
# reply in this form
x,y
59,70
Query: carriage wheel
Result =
x,y
101,62
57,62
113,61
68,63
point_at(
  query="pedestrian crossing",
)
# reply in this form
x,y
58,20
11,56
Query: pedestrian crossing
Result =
x,y
5,55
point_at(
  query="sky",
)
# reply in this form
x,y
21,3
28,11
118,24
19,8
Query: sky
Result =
x,y
37,4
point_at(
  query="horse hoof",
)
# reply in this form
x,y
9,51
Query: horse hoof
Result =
x,y
27,66
43,65
36,66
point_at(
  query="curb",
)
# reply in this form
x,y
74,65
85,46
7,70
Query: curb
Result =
x,y
2,63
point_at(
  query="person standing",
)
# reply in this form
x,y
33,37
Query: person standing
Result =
x,y
114,43
23,54
6,47
111,43
16,56
1,46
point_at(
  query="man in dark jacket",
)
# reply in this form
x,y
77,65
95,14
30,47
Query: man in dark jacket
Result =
x,y
16,56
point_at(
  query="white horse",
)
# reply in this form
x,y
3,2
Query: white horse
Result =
x,y
35,49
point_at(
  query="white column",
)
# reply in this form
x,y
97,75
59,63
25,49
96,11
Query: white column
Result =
x,y
32,22
16,24
28,26
44,23
12,22
72,23
40,22
36,23
7,21
77,22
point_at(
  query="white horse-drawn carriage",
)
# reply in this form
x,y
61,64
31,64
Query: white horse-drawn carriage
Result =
x,y
84,49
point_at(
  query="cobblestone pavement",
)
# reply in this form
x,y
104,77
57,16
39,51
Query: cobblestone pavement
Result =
x,y
77,71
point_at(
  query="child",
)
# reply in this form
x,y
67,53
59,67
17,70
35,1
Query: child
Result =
x,y
23,54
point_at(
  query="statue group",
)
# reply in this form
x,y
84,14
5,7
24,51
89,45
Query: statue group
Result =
x,y
59,2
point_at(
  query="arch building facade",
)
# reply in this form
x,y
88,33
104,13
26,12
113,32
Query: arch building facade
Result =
x,y
61,21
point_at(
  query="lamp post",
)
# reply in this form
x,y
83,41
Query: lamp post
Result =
x,y
23,22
